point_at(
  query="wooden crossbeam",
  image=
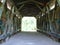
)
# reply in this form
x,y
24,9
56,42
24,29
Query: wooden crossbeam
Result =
x,y
21,7
38,3
22,2
39,7
30,1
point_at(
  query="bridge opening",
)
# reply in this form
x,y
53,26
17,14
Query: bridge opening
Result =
x,y
29,24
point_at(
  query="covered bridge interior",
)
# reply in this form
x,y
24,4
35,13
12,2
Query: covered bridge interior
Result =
x,y
43,16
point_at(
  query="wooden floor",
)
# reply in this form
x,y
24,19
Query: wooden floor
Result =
x,y
30,38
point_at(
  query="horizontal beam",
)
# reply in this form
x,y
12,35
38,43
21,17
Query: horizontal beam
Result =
x,y
38,3
22,2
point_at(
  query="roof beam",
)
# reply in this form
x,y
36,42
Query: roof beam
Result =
x,y
22,2
38,3
31,1
21,7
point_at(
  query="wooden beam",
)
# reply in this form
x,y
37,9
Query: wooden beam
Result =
x,y
21,7
38,3
39,7
31,1
23,2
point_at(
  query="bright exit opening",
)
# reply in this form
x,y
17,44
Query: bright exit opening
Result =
x,y
29,24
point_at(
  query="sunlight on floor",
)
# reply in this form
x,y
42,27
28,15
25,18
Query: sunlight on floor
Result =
x,y
29,24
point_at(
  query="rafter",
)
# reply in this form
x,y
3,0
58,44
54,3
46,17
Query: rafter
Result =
x,y
21,7
22,2
38,7
30,1
38,3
